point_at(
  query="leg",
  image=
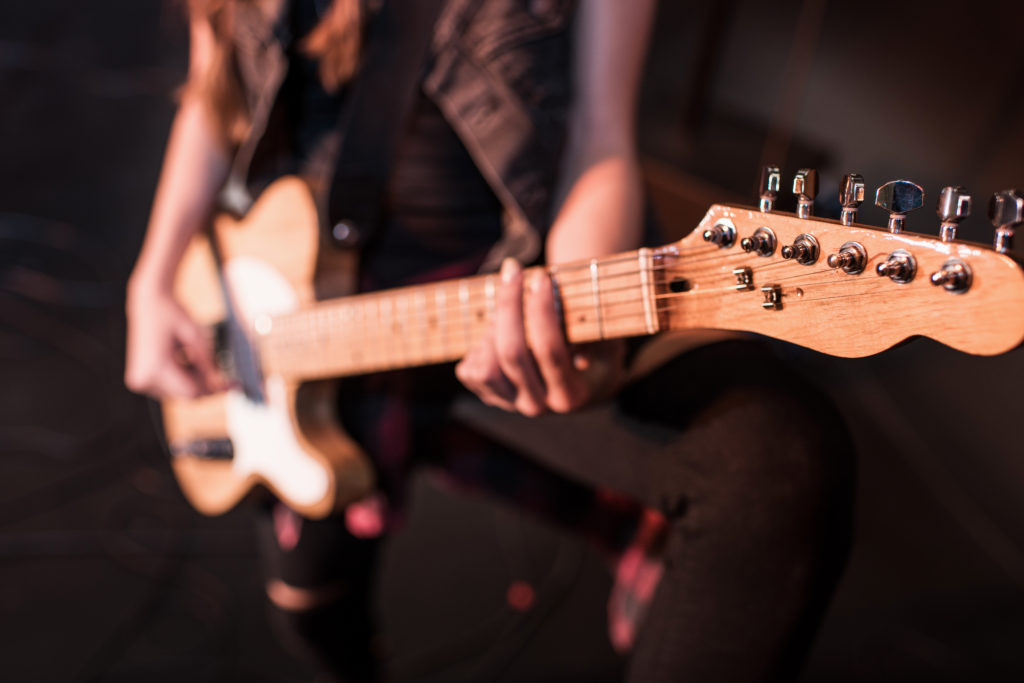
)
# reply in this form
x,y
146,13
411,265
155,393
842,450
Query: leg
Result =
x,y
319,583
753,474
757,493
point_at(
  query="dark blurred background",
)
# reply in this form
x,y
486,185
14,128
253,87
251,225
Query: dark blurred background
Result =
x,y
107,575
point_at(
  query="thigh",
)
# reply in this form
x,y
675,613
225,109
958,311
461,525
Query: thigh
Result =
x,y
731,412
753,471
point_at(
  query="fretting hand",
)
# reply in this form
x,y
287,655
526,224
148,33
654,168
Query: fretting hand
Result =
x,y
524,363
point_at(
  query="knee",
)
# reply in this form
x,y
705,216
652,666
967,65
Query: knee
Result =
x,y
296,599
328,626
772,463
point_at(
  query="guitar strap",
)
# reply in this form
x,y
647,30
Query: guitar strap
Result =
x,y
373,118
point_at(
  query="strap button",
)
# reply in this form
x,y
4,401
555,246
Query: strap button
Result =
x,y
346,233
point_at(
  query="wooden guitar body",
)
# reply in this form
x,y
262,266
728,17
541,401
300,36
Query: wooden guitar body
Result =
x,y
290,442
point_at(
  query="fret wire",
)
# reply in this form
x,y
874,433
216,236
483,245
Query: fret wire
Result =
x,y
595,286
464,301
441,314
489,293
647,287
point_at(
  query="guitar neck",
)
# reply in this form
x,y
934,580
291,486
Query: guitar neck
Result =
x,y
440,322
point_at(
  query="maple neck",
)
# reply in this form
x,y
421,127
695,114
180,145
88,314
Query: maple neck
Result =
x,y
440,322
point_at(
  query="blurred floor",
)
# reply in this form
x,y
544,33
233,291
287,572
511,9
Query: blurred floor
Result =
x,y
109,576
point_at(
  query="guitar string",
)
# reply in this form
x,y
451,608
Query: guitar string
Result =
x,y
355,323
476,301
429,291
589,296
665,302
324,325
425,355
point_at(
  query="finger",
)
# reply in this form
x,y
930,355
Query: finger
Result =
x,y
174,380
197,348
513,354
566,387
480,373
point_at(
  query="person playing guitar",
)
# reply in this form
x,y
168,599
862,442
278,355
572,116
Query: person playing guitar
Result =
x,y
730,527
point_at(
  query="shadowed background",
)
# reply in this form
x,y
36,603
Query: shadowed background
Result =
x,y
109,576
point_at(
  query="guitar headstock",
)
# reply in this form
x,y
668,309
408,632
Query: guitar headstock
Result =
x,y
843,288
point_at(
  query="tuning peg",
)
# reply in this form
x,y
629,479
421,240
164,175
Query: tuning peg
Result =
x,y
1006,210
805,187
899,197
851,194
954,206
771,180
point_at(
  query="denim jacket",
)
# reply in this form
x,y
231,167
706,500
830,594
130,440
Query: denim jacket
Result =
x,y
499,70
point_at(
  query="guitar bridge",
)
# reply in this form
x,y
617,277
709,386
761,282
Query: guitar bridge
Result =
x,y
204,449
222,355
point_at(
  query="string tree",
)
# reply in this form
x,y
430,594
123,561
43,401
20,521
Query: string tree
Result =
x,y
954,206
1006,211
899,197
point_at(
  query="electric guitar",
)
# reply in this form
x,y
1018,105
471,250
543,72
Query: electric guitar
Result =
x,y
288,325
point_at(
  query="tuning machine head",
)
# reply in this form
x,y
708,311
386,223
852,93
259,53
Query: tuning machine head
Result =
x,y
771,181
851,195
805,187
1006,210
954,206
899,197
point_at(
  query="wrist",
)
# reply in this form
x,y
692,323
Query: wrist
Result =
x,y
144,284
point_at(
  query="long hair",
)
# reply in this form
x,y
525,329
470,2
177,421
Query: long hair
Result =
x,y
335,42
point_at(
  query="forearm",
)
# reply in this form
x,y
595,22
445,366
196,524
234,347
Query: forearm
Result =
x,y
602,209
195,165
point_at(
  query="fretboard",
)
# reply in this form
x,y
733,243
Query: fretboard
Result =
x,y
441,322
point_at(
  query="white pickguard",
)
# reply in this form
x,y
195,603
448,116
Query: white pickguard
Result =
x,y
261,433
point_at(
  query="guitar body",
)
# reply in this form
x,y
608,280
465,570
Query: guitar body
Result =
x,y
287,441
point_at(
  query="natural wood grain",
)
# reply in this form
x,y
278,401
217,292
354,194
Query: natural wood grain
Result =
x,y
851,315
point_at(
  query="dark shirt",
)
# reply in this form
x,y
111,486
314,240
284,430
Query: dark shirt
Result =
x,y
439,210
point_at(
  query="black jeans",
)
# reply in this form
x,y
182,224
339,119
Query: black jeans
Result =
x,y
752,470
